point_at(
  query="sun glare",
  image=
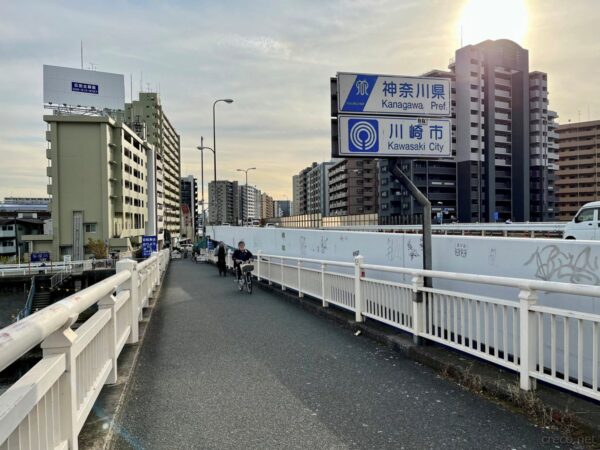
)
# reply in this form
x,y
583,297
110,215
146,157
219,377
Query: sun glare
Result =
x,y
493,19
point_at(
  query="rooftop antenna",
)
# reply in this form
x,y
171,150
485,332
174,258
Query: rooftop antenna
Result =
x,y
131,86
82,55
141,81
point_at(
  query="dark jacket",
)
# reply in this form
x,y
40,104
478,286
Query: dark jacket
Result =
x,y
245,255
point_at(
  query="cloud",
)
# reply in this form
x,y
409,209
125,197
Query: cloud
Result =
x,y
274,58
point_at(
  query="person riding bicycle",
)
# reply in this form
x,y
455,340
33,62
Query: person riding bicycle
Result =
x,y
240,256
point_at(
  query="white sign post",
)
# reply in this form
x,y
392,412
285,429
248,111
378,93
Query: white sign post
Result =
x,y
394,137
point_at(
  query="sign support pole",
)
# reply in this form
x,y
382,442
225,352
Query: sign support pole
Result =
x,y
426,204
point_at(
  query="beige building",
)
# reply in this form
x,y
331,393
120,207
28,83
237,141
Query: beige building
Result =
x,y
266,206
147,117
578,175
98,183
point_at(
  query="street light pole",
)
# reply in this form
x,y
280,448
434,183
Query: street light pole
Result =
x,y
202,182
202,148
246,195
226,100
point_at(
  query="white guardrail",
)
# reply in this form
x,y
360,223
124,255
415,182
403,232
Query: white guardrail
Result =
x,y
541,229
558,346
47,407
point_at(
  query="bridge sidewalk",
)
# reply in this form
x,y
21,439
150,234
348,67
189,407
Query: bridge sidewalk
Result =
x,y
222,369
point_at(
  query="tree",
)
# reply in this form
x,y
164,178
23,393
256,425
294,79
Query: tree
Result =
x,y
97,247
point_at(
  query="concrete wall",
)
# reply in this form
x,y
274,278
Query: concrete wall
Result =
x,y
542,259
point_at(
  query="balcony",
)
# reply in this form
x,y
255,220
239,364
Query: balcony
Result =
x,y
5,248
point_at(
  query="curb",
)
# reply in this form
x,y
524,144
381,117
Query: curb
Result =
x,y
547,406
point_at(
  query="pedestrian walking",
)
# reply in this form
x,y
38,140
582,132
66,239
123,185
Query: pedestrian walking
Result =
x,y
221,253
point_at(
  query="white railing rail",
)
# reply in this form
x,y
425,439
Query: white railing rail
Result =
x,y
558,346
47,407
542,229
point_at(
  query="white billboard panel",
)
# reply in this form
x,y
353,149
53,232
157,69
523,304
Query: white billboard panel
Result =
x,y
399,96
87,88
372,136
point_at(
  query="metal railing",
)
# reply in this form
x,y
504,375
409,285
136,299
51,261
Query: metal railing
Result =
x,y
556,345
48,406
28,302
54,267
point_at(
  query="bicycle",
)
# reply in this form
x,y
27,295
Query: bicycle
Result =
x,y
245,281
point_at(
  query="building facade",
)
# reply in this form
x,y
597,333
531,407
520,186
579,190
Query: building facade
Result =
x,y
504,148
224,202
501,109
250,203
146,116
189,197
353,187
281,208
266,206
578,176
98,176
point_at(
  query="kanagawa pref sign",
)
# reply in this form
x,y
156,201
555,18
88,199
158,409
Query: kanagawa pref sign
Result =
x,y
392,95
372,136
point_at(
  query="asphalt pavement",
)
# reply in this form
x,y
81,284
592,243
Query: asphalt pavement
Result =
x,y
220,369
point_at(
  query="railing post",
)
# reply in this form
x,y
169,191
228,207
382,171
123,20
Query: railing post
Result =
x,y
155,270
323,269
269,266
418,309
528,335
358,303
282,285
300,294
134,302
109,302
258,265
61,342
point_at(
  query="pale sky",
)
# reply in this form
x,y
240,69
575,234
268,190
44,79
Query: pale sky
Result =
x,y
275,59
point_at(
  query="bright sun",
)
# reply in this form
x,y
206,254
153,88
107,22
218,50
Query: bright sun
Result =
x,y
493,19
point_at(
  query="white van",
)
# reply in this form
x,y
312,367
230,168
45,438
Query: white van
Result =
x,y
586,223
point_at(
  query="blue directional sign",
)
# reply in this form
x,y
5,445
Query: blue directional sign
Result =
x,y
394,137
393,95
149,245
40,257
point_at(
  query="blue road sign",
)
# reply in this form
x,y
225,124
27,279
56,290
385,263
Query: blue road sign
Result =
x,y
40,257
149,245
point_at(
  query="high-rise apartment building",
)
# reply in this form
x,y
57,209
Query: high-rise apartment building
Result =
x,y
266,206
578,176
99,185
295,205
189,197
501,108
250,203
311,189
147,117
224,202
353,187
503,143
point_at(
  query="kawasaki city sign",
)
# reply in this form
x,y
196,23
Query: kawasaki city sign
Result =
x,y
372,136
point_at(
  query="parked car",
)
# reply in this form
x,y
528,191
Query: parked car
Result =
x,y
586,223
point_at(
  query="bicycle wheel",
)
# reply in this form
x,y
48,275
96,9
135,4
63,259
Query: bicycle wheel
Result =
x,y
249,284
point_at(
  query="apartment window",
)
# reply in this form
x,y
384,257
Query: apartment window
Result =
x,y
7,227
8,243
89,227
